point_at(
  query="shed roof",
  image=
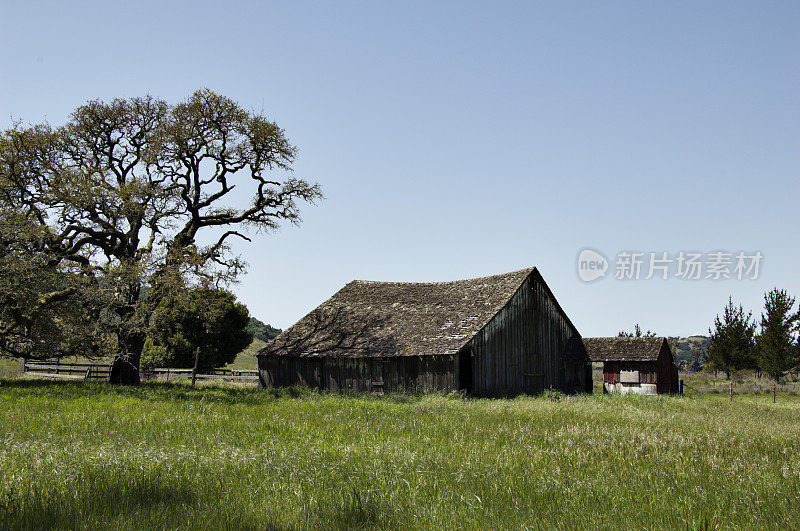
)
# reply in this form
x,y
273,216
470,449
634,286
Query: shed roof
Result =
x,y
367,318
623,348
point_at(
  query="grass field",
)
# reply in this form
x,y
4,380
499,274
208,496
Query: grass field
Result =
x,y
79,455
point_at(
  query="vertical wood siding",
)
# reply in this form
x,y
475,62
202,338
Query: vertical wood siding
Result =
x,y
521,349
389,374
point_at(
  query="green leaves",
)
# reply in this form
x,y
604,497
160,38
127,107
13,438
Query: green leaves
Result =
x,y
121,192
204,318
776,345
730,348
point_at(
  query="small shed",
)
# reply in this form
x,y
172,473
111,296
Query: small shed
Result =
x,y
498,335
641,365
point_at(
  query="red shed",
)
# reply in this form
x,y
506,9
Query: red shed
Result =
x,y
641,365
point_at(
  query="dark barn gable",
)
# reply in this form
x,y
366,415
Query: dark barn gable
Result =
x,y
635,364
498,335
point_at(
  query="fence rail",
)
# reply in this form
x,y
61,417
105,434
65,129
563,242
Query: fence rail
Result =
x,y
102,371
69,371
217,374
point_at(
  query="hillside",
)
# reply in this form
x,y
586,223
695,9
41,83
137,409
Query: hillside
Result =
x,y
261,330
688,351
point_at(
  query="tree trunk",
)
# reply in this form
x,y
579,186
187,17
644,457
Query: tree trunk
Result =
x,y
774,391
731,390
125,369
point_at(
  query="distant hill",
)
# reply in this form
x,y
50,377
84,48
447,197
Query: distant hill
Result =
x,y
262,331
688,351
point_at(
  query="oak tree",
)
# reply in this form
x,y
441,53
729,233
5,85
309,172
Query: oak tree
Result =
x,y
136,197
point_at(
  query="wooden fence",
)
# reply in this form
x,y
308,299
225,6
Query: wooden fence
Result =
x,y
101,371
71,371
233,375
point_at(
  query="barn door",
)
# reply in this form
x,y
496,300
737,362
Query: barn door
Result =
x,y
465,370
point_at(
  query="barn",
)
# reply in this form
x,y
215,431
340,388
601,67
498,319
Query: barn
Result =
x,y
642,365
497,335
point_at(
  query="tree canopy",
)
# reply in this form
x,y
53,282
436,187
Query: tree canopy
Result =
x,y
637,332
262,331
117,199
730,348
777,350
203,321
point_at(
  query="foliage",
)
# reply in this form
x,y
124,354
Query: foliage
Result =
x,y
731,346
689,352
93,456
637,332
201,318
121,193
43,304
262,331
776,344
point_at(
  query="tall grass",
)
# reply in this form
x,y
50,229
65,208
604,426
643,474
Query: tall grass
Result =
x,y
81,455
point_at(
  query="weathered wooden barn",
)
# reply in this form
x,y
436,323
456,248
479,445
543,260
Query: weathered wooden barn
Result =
x,y
641,365
498,335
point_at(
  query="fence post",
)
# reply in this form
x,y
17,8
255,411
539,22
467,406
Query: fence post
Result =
x,y
196,363
681,387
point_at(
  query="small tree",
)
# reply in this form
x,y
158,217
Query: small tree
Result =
x,y
730,348
637,332
776,345
201,327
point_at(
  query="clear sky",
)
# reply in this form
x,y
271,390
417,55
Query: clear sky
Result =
x,y
461,139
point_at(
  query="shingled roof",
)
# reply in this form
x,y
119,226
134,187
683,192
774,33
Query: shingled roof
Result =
x,y
623,348
367,318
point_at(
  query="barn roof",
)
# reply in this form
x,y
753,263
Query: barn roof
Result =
x,y
623,348
367,318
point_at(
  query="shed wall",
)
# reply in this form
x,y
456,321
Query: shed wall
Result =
x,y
667,371
660,376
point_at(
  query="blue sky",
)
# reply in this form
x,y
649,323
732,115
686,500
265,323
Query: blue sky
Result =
x,y
460,139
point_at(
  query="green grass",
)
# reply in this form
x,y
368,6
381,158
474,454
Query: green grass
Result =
x,y
80,455
246,359
10,368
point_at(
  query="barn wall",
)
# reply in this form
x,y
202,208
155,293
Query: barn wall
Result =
x,y
553,332
502,348
521,349
389,374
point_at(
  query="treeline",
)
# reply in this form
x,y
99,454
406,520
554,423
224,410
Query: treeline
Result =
x,y
262,331
768,345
